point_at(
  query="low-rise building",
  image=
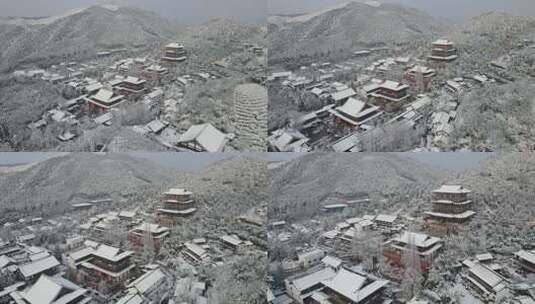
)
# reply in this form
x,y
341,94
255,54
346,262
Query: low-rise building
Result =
x,y
32,270
51,290
203,138
488,283
526,259
194,253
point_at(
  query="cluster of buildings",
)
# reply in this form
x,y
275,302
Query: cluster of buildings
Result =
x,y
324,271
349,107
101,91
107,261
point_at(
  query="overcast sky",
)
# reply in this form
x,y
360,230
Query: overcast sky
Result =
x,y
442,8
185,11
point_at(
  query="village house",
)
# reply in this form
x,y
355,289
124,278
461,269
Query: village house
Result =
x,y
151,287
386,220
451,203
194,253
203,138
310,258
488,283
353,113
235,243
154,233
391,95
443,50
286,140
107,270
421,245
177,203
104,101
526,260
43,264
173,53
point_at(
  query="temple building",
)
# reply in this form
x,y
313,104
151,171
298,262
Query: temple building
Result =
x,y
451,203
173,53
177,203
51,290
443,50
329,285
155,72
390,95
353,113
153,233
419,77
107,270
132,87
423,247
104,100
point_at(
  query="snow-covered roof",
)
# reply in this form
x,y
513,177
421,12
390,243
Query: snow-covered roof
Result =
x,y
419,239
207,136
148,281
82,253
134,80
131,298
393,85
33,268
443,42
110,253
388,218
451,189
490,277
174,45
153,228
198,250
352,107
331,261
309,280
353,286
48,290
528,256
341,95
231,240
177,191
